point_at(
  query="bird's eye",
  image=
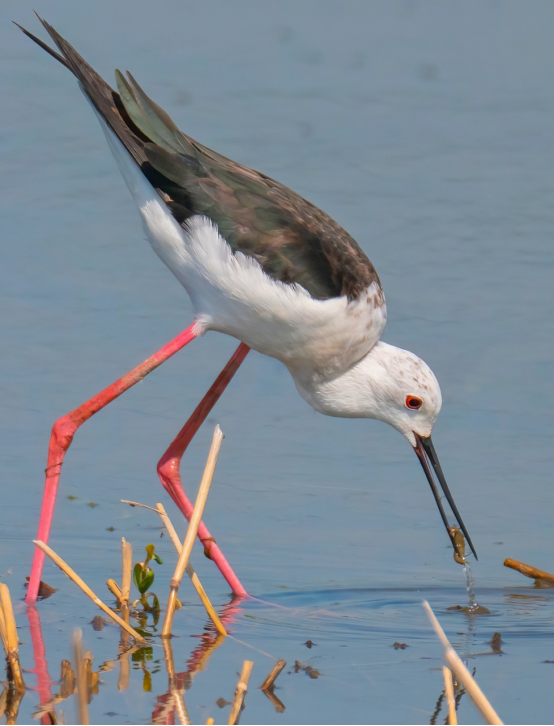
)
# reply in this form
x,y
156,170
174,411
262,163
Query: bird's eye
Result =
x,y
414,402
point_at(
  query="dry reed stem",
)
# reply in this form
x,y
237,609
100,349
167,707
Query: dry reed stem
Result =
x,y
192,529
113,587
81,676
127,564
529,571
12,638
189,568
462,673
4,701
66,569
272,677
190,571
12,707
210,722
449,690
3,631
240,693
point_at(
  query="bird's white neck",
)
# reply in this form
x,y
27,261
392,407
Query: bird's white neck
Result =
x,y
352,394
378,386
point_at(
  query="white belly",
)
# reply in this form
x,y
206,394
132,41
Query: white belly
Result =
x,y
232,294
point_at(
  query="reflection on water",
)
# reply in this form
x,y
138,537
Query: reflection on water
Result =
x,y
426,130
352,634
459,691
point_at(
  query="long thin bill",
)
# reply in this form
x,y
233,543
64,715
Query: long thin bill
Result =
x,y
430,462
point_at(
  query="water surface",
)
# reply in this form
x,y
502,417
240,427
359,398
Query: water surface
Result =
x,y
426,130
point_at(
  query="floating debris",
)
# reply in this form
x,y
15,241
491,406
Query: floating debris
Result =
x,y
97,623
400,646
221,702
308,670
309,644
496,643
542,578
44,590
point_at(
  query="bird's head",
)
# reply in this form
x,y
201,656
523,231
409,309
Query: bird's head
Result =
x,y
394,386
399,389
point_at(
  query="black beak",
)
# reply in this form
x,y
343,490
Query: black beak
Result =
x,y
429,461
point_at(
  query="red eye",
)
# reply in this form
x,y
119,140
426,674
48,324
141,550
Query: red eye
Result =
x,y
414,402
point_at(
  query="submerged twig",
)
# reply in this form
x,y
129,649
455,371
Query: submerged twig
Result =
x,y
66,569
529,571
192,529
462,673
240,693
8,631
449,690
272,677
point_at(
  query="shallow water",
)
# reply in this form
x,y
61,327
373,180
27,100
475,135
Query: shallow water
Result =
x,y
426,130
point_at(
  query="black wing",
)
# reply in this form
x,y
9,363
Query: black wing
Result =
x,y
293,240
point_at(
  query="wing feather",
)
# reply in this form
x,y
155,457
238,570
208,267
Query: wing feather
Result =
x,y
293,240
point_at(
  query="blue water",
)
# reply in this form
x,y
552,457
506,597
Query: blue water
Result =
x,y
426,130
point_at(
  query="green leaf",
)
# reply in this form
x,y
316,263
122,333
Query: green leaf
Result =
x,y
143,578
137,574
158,559
147,580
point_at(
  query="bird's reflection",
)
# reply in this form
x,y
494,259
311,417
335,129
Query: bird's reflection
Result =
x,y
44,681
178,683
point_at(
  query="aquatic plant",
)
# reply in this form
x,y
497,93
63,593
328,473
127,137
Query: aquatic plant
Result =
x,y
143,577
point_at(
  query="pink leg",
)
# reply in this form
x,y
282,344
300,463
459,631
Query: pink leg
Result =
x,y
168,466
62,436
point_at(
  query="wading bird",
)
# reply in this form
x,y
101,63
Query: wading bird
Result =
x,y
262,265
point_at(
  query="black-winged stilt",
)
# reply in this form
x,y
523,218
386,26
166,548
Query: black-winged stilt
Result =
x,y
260,264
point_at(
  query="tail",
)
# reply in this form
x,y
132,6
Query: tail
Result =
x,y
135,118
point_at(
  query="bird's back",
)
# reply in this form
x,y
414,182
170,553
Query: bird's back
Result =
x,y
324,291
